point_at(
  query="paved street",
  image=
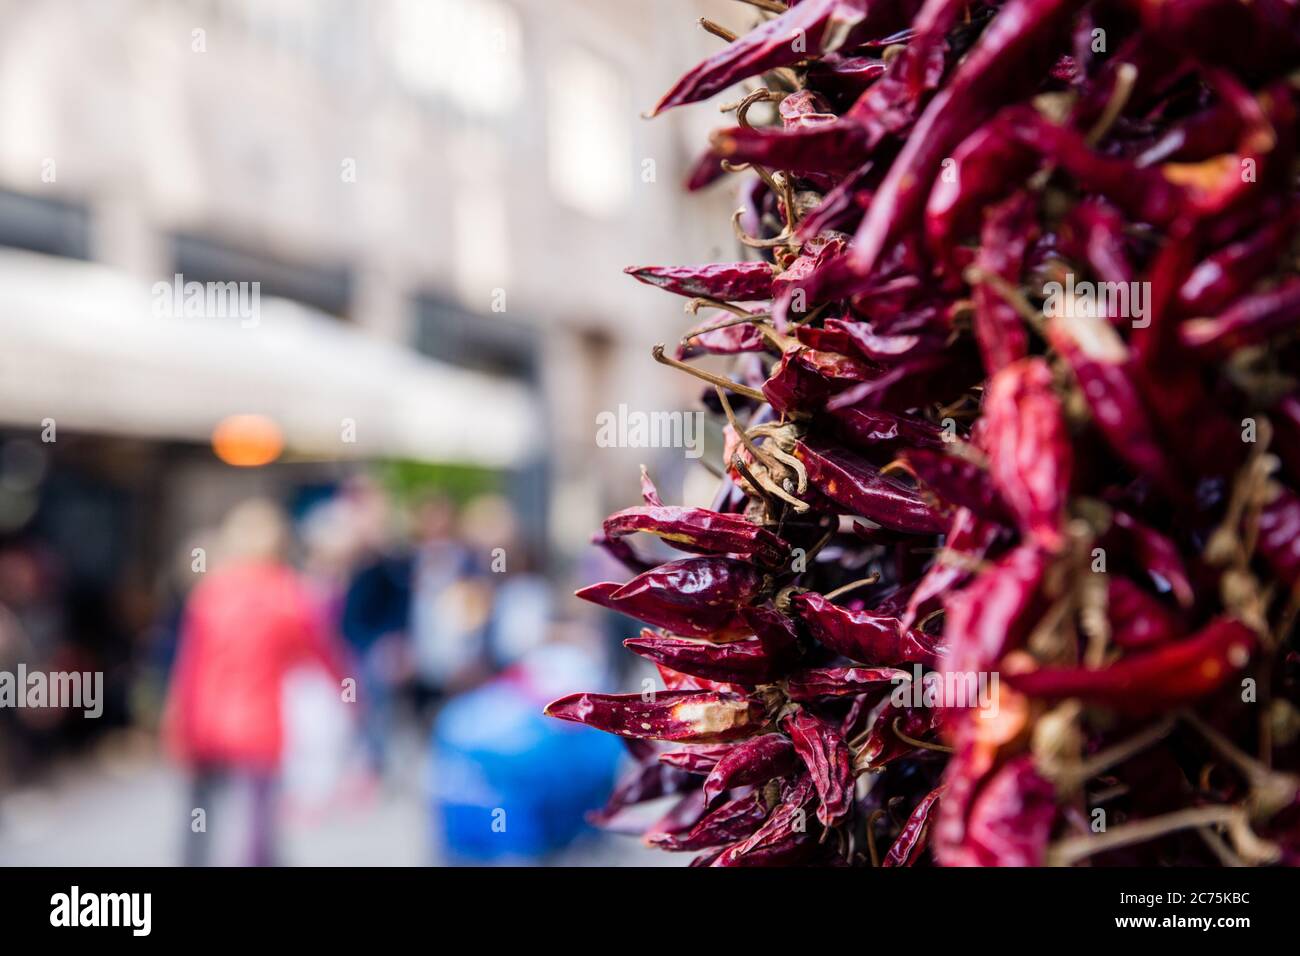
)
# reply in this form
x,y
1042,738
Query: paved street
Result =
x,y
127,807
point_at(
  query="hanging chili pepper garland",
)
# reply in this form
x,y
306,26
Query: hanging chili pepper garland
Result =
x,y
1024,276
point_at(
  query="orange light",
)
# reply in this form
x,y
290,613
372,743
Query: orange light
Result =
x,y
247,441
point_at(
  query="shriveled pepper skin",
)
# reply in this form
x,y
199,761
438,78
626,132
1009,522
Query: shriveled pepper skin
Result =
x,y
863,635
853,483
684,716
753,761
701,531
826,755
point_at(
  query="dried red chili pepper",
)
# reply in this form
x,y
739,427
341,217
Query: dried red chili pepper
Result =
x,y
685,716
854,483
695,758
810,27
1009,820
746,661
863,635
1030,456
995,611
739,281
826,755
754,761
701,531
911,840
821,682
1155,680
727,823
787,836
1137,619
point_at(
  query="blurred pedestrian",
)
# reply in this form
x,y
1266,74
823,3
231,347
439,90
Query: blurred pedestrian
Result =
x,y
244,626
376,613
451,603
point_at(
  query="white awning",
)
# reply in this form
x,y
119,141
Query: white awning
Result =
x,y
82,344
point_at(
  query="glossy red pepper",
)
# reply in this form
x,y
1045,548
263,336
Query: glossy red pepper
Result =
x,y
911,840
855,484
739,281
1030,457
701,531
685,716
1155,680
863,635
754,761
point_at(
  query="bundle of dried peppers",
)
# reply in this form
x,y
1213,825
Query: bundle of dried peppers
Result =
x,y
1015,407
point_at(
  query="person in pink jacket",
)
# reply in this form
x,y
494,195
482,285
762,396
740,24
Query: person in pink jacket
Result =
x,y
244,627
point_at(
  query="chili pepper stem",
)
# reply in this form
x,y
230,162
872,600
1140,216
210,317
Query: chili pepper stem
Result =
x,y
718,380
771,6
1077,776
1219,848
693,307
923,745
782,239
871,835
725,324
717,30
1125,78
1271,789
852,585
1073,849
1013,296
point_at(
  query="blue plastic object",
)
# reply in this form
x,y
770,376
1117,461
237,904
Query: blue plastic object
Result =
x,y
508,783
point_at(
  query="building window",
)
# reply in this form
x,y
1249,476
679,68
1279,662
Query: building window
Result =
x,y
589,147
468,53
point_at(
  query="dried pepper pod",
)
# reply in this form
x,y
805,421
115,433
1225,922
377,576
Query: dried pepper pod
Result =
x,y
746,661
819,682
995,611
683,716
735,281
826,755
701,531
876,429
696,597
863,635
727,823
1030,456
695,758
854,483
754,761
1101,365
892,735
911,840
1009,821
1137,619
786,837
958,482
809,27
719,624
1155,680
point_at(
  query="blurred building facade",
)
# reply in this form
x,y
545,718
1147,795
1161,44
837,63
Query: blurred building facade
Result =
x,y
445,190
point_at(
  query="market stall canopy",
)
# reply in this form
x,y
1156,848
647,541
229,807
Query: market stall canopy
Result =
x,y
98,351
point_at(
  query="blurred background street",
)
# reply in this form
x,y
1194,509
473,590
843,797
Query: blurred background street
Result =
x,y
310,309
